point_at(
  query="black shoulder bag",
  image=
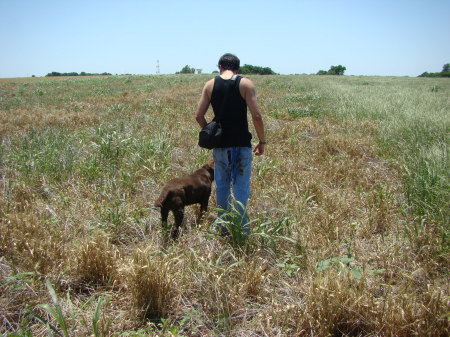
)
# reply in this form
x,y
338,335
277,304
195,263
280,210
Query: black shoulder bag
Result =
x,y
211,134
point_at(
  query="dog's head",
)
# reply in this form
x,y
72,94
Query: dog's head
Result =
x,y
210,168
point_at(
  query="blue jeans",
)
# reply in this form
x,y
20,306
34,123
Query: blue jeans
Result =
x,y
232,168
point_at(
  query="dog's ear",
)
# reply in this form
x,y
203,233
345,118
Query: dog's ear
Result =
x,y
211,163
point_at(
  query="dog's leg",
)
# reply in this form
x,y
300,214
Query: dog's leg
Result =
x,y
164,217
204,205
203,209
178,215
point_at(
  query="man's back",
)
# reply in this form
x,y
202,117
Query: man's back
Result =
x,y
230,109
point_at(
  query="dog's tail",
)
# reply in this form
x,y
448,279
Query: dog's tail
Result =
x,y
162,198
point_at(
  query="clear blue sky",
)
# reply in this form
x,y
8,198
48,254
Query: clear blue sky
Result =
x,y
369,37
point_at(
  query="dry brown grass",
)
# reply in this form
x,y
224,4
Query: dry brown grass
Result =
x,y
323,192
26,241
152,285
95,261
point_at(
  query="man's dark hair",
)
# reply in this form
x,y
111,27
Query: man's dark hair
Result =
x,y
229,62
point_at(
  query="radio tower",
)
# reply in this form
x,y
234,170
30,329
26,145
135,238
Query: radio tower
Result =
x,y
157,67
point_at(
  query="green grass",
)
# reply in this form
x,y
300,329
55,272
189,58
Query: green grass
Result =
x,y
413,133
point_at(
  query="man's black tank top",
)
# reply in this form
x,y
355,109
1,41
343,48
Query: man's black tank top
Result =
x,y
231,110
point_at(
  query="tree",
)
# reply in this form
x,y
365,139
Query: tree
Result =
x,y
187,70
334,70
53,73
337,70
249,69
444,73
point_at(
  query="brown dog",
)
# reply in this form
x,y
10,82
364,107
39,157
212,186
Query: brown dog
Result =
x,y
180,192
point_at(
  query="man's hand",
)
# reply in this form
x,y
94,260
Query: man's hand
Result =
x,y
259,149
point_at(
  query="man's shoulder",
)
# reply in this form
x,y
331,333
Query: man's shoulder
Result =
x,y
246,84
246,81
208,87
209,83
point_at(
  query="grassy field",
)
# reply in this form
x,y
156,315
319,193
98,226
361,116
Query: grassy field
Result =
x,y
349,209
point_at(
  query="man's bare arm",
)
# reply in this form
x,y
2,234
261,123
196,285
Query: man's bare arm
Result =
x,y
250,98
203,104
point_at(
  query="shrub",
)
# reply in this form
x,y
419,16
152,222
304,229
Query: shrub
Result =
x,y
248,69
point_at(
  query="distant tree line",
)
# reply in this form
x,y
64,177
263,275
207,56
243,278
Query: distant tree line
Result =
x,y
55,73
246,69
334,70
444,73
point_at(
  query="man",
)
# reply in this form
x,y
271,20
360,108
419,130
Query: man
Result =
x,y
230,95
